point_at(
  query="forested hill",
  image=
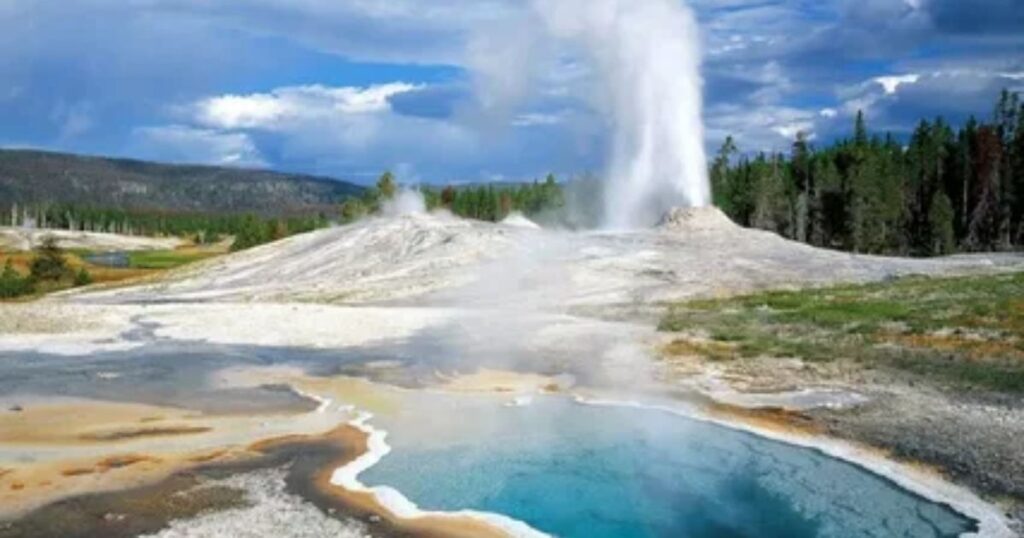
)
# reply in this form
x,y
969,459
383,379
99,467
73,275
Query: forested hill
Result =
x,y
946,189
37,178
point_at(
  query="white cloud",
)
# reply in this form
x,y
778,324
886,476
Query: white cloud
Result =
x,y
892,83
865,96
73,120
294,104
765,128
401,31
330,130
789,131
533,119
948,89
355,133
179,143
236,111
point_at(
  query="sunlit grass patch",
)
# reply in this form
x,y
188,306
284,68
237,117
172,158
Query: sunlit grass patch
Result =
x,y
711,349
166,259
141,265
966,330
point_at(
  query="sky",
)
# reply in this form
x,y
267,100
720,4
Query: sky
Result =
x,y
443,91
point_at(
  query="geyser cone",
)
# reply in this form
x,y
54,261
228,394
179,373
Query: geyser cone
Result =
x,y
696,219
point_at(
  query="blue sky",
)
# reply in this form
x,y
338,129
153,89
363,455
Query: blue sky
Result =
x,y
348,88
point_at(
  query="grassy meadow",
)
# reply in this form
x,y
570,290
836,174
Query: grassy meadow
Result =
x,y
963,333
141,265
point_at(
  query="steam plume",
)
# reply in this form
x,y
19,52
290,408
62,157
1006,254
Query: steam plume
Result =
x,y
407,201
647,54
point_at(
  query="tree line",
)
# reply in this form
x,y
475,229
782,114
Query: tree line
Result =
x,y
946,190
488,202
248,229
484,202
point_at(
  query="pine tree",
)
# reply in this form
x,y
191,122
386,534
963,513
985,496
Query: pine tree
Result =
x,y
352,210
386,186
771,207
829,225
860,131
801,168
251,232
941,217
1006,127
505,205
721,189
963,177
1017,178
448,196
985,221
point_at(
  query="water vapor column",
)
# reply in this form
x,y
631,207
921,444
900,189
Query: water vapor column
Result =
x,y
647,53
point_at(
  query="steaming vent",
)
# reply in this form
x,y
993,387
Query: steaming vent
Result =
x,y
519,220
696,219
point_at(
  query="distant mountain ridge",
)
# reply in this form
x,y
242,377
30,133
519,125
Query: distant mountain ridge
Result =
x,y
41,177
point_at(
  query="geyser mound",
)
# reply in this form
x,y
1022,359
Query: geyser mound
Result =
x,y
439,260
519,220
697,219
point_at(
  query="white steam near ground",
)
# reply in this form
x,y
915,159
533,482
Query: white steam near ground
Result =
x,y
407,201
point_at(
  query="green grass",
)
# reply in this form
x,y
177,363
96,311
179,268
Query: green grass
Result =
x,y
164,259
141,264
965,332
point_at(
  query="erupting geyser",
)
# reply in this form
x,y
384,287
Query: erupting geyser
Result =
x,y
647,53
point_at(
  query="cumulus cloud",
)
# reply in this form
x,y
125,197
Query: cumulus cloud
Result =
x,y
73,120
953,93
767,128
434,32
345,130
290,105
179,143
892,83
355,132
778,67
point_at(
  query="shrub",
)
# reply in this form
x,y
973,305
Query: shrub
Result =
x,y
12,284
49,264
82,277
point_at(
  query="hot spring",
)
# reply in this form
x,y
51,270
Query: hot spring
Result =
x,y
575,470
